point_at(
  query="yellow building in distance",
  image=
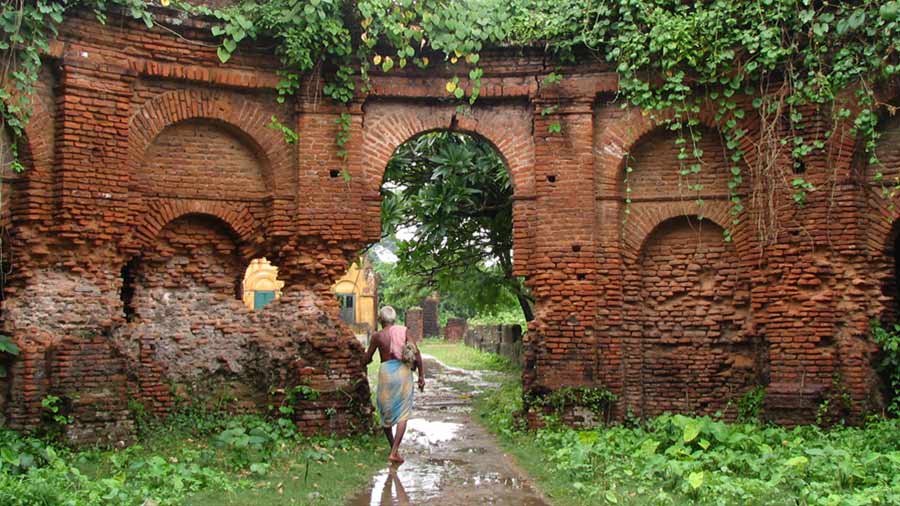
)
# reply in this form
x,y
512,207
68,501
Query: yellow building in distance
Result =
x,y
261,284
357,291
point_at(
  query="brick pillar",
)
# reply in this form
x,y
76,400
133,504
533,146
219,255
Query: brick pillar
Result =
x,y
562,346
92,148
414,322
430,323
74,294
455,329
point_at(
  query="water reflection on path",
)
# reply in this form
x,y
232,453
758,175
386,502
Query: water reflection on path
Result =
x,y
450,459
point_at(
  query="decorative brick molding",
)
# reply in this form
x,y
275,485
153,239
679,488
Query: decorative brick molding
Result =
x,y
181,105
161,213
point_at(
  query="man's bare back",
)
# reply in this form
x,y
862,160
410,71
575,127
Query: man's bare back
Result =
x,y
382,342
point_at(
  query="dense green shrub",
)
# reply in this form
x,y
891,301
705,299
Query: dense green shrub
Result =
x,y
192,452
676,460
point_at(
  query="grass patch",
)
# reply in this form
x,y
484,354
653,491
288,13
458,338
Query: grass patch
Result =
x,y
461,356
675,460
350,465
195,459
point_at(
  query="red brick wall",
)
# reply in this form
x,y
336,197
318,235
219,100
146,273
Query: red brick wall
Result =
x,y
183,305
658,170
137,133
455,330
199,159
697,351
414,323
189,330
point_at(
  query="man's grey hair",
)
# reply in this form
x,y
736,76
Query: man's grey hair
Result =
x,y
387,315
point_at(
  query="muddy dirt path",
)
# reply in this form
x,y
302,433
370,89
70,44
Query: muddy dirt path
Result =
x,y
450,459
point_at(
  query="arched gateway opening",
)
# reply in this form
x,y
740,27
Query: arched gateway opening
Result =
x,y
446,250
446,258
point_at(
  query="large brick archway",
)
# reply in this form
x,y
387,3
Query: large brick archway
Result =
x,y
88,207
390,123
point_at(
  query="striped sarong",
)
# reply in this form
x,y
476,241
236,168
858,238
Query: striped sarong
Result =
x,y
394,394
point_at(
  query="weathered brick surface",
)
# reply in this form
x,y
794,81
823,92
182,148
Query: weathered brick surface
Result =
x,y
455,329
153,180
414,323
431,326
694,349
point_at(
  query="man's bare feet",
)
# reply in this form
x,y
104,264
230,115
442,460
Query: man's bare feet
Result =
x,y
395,458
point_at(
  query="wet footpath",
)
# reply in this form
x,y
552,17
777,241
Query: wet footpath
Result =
x,y
451,460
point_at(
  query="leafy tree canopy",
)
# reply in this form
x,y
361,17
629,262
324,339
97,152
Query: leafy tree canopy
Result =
x,y
453,193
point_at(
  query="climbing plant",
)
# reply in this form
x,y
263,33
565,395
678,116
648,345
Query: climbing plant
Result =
x,y
784,61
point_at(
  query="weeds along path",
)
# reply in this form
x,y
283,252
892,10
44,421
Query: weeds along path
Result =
x,y
450,459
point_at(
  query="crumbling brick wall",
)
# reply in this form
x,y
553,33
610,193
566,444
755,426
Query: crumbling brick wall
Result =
x,y
185,317
696,349
152,180
691,346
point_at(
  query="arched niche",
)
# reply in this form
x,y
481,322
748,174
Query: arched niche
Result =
x,y
203,158
696,345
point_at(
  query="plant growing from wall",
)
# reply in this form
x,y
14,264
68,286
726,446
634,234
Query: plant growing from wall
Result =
x,y
889,341
750,404
7,347
598,400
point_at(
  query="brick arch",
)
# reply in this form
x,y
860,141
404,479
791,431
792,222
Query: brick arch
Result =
x,y
176,106
845,149
36,144
641,226
645,216
883,217
694,311
634,126
384,133
159,214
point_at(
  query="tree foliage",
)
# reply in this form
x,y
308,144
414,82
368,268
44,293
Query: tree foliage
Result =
x,y
453,192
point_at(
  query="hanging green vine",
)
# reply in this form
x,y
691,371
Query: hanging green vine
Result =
x,y
27,27
780,59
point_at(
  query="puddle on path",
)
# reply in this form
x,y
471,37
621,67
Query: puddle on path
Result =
x,y
450,459
428,432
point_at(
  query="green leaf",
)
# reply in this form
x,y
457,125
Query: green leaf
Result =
x,y
230,45
695,479
224,54
691,431
857,19
798,461
7,346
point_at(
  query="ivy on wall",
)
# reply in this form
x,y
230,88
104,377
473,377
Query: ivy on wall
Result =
x,y
777,59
